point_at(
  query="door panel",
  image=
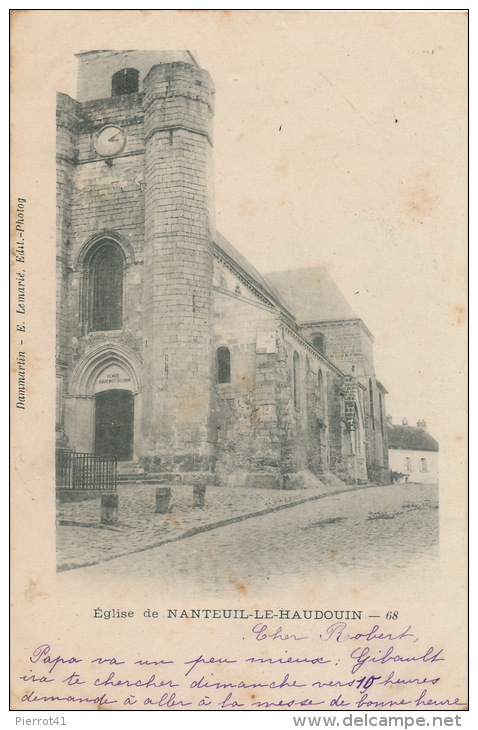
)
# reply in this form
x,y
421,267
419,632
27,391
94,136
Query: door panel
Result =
x,y
114,424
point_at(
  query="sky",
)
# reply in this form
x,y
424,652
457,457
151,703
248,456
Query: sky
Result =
x,y
340,140
344,144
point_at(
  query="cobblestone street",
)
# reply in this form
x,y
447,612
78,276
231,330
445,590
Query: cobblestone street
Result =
x,y
380,529
81,540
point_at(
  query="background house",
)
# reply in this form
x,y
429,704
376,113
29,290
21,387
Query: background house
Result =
x,y
412,452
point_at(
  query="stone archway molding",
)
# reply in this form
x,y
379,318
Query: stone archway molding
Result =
x,y
94,363
105,234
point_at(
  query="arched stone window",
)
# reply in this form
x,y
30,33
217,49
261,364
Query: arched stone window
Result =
x,y
223,357
357,437
105,287
125,81
296,379
318,341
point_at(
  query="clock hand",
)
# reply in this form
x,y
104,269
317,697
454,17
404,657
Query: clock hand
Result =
x,y
113,137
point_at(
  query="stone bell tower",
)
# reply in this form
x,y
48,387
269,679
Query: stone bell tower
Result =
x,y
178,267
135,230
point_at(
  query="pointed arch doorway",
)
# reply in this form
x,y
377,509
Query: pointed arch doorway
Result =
x,y
96,422
114,424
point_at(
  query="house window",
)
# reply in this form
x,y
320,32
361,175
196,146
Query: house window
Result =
x,y
223,357
423,465
105,278
408,464
125,81
318,341
320,379
296,379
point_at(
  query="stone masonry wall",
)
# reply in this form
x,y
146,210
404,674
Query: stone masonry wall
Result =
x,y
318,455
68,119
346,345
96,68
106,199
349,346
177,294
304,428
338,431
247,439
263,438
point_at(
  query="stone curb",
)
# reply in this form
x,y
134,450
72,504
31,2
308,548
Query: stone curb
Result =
x,y
213,526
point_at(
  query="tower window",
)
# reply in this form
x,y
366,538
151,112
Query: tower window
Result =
x,y
125,81
318,341
105,274
223,357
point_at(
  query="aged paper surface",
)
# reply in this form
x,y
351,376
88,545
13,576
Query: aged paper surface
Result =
x,y
367,179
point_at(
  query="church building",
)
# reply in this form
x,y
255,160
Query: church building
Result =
x,y
174,355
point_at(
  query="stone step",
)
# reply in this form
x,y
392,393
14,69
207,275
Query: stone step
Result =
x,y
129,467
143,479
131,477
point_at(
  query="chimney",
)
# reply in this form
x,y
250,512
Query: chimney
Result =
x,y
422,424
404,422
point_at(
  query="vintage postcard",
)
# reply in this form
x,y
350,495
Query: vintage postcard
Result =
x,y
239,390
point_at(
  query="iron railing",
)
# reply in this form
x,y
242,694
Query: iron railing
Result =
x,y
77,470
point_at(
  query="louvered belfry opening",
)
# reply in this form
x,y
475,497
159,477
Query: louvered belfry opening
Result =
x,y
106,276
125,81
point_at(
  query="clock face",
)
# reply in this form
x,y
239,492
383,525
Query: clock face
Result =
x,y
110,141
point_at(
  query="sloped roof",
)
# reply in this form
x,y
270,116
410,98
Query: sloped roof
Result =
x,y
247,268
410,438
312,295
